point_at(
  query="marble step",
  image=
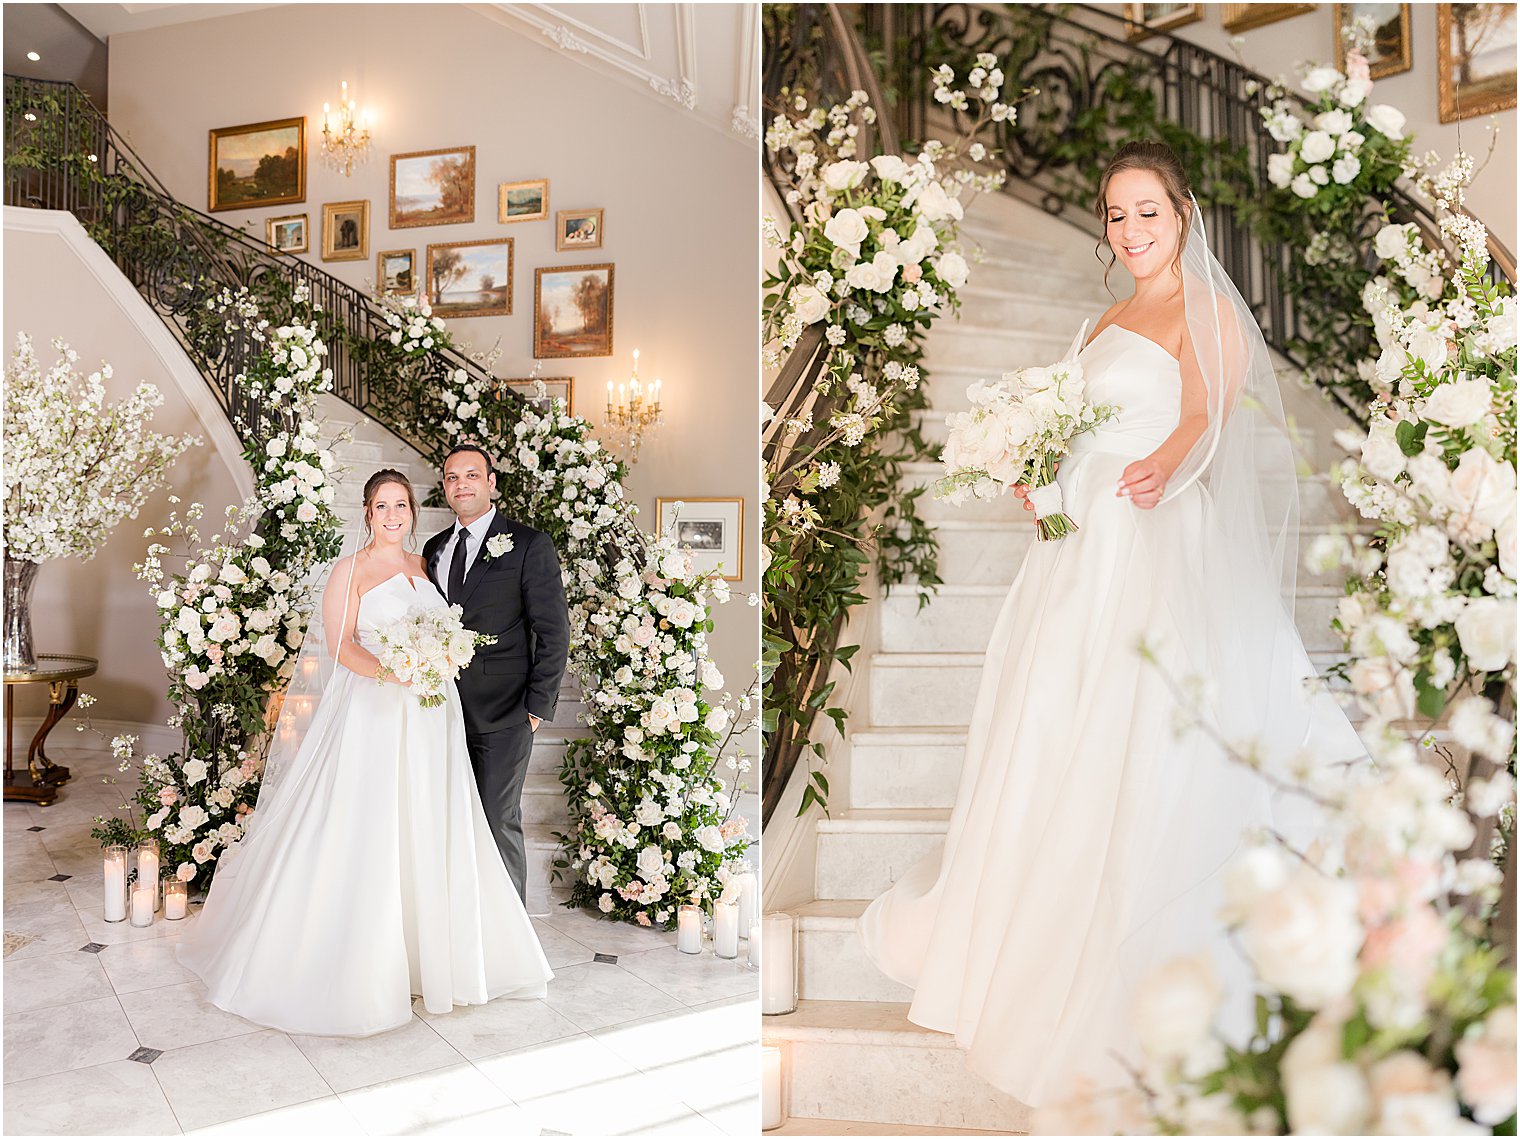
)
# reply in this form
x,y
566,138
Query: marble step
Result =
x,y
1023,307
927,689
959,618
866,1061
543,798
903,767
1319,502
992,350
831,960
861,853
350,493
1000,242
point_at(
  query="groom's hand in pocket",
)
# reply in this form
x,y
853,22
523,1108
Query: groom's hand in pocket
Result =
x,y
533,722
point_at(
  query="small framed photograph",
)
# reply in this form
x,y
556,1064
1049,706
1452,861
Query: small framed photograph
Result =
x,y
523,201
345,231
1244,17
1389,53
260,164
578,229
711,528
1147,18
470,278
572,311
286,234
396,272
1475,54
555,387
433,187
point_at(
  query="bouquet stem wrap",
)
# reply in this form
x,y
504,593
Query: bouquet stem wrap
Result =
x,y
1045,497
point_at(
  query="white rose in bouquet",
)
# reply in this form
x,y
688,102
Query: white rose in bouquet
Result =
x,y
1381,453
1387,121
1280,170
935,204
1174,1007
809,304
922,242
1480,494
847,229
877,274
1486,1067
889,167
1303,938
844,175
1316,147
1458,403
1486,631
1325,1093
1321,79
952,269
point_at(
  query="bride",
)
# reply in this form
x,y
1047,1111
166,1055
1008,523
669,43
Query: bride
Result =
x,y
1088,836
368,874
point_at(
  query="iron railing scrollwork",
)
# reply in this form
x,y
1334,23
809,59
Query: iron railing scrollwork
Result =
x,y
62,154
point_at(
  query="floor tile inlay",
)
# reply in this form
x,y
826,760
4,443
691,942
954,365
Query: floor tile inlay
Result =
x,y
93,947
36,828
60,877
606,958
146,1055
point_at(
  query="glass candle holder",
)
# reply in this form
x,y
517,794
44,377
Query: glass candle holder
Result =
x,y
689,929
142,905
176,899
147,864
778,967
115,882
726,930
772,1111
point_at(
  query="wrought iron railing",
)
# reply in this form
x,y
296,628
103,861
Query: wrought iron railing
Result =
x,y
62,154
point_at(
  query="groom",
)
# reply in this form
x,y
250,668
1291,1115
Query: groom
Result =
x,y
506,578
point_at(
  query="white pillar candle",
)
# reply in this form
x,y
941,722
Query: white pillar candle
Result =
x,y
176,899
689,929
754,946
115,882
749,892
726,930
147,871
770,1088
778,972
142,906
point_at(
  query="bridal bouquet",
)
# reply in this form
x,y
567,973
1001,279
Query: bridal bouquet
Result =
x,y
1014,433
427,648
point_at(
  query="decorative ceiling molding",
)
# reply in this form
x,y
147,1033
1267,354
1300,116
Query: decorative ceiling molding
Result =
x,y
564,39
744,122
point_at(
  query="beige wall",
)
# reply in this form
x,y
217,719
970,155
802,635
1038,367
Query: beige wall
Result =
x,y
55,287
679,199
1276,50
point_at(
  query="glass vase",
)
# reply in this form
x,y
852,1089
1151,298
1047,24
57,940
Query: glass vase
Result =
x,y
20,576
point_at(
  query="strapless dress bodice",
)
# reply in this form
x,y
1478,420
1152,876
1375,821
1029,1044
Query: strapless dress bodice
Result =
x,y
391,600
1143,380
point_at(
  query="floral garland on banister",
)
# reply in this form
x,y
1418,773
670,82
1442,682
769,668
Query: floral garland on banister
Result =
x,y
651,823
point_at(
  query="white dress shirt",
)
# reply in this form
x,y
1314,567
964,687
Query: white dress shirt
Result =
x,y
478,530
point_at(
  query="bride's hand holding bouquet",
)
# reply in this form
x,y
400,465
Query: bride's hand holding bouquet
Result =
x,y
427,649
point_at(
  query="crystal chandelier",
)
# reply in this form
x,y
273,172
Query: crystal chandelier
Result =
x,y
346,140
636,411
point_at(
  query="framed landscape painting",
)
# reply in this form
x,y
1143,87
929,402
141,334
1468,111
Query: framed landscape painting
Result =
x,y
396,272
470,278
345,231
572,311
578,229
1244,17
433,187
1390,52
1147,18
260,164
287,234
712,529
555,387
523,201
1475,54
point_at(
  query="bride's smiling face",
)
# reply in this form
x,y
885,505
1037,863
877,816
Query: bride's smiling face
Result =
x,y
390,514
1143,228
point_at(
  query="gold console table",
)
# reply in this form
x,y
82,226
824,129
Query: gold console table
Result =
x,y
61,672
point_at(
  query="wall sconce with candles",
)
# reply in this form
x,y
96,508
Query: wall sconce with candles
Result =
x,y
635,412
346,140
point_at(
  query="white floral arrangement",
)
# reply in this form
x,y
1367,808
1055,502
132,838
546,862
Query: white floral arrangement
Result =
x,y
1016,431
413,327
426,649
233,618
74,465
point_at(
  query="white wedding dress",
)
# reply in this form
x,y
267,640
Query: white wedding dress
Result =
x,y
1087,838
374,876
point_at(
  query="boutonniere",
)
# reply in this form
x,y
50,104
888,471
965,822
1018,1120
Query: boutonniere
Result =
x,y
497,545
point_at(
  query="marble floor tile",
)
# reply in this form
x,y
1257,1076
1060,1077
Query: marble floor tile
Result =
x,y
52,928
326,1116
733,1109
597,995
177,1016
57,979
66,1037
73,838
456,1100
604,936
125,933
86,892
140,965
560,948
712,1047
119,1098
347,1063
228,1079
500,1026
692,979
28,865
41,890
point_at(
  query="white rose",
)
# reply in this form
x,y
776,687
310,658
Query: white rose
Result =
x,y
1355,92
1345,169
1303,938
847,229
889,167
1486,631
650,861
1280,170
809,304
1249,878
1386,120
1458,403
1486,1067
922,243
709,838
952,270
936,205
1317,146
1387,686
1321,79
1174,1007
876,275
1505,536
1381,453
1414,1098
1325,1094
1481,491
844,175
1391,240
1304,186
1333,122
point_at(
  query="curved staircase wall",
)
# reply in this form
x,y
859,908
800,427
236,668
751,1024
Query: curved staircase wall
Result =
x,y
59,283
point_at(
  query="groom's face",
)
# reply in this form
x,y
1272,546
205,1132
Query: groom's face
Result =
x,y
468,485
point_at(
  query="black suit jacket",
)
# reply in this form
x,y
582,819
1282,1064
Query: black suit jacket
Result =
x,y
519,598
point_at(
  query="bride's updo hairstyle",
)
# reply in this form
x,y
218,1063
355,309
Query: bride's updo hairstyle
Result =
x,y
382,478
1162,161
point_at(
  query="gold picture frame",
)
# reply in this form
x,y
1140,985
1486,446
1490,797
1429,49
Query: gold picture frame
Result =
x,y
712,529
250,166
280,234
464,277
1144,20
396,272
450,202
1463,97
1391,54
578,229
558,301
345,231
1244,17
523,201
555,387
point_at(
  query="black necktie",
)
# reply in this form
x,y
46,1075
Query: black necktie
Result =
x,y
456,568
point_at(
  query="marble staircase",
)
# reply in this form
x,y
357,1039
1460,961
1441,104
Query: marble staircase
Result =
x,y
853,1054
371,447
